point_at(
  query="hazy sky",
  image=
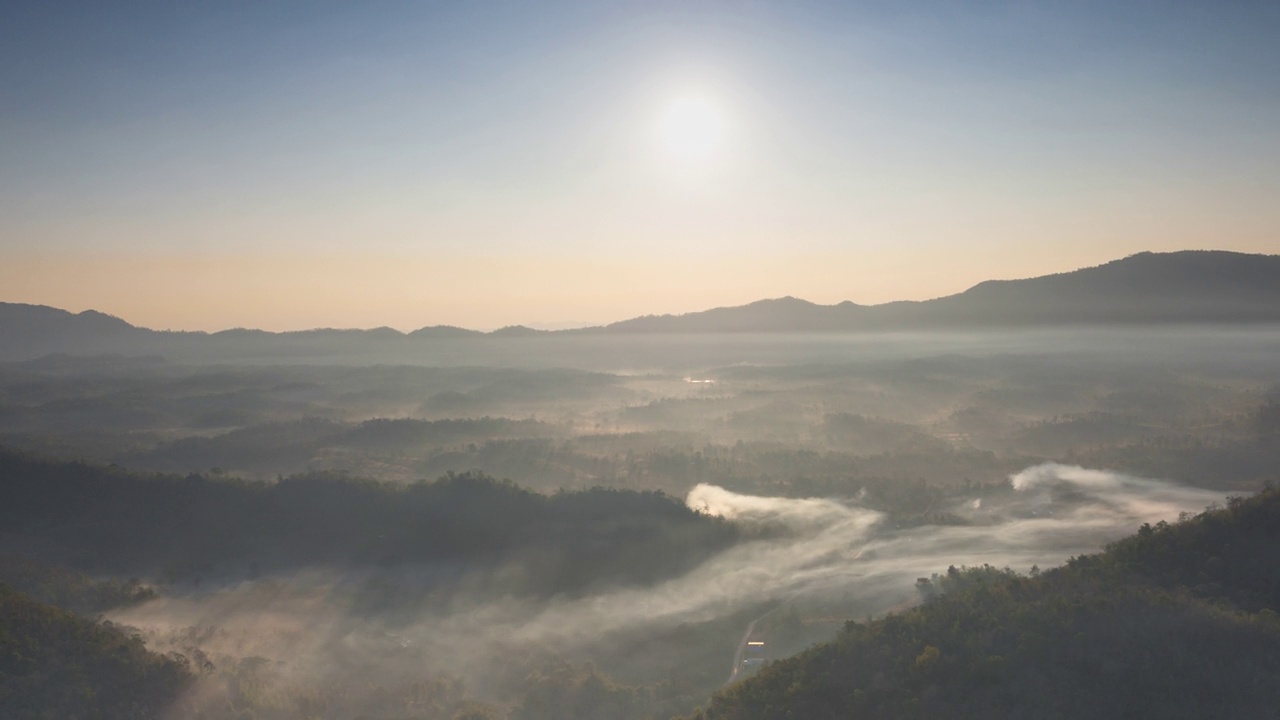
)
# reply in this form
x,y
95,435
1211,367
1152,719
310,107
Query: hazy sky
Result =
x,y
290,165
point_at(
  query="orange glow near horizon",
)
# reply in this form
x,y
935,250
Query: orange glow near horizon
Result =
x,y
652,158
282,291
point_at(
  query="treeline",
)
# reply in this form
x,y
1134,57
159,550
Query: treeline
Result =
x,y
184,528
1205,461
54,664
1177,621
892,479
288,446
69,589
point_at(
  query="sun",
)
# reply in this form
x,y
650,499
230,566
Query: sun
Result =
x,y
692,128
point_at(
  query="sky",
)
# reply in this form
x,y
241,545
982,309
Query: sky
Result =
x,y
290,165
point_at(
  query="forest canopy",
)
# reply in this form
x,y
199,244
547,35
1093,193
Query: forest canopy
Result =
x,y
1176,621
184,528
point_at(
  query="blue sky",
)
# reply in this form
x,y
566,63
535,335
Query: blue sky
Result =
x,y
289,165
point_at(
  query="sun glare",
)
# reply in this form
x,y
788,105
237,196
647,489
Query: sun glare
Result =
x,y
692,128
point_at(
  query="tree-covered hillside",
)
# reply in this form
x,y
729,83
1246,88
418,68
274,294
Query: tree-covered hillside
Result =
x,y
69,589
1177,621
54,664
115,522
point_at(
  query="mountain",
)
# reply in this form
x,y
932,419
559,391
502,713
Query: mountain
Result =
x,y
1148,288
1177,621
1195,286
786,314
33,330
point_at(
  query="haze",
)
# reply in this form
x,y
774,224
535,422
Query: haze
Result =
x,y
639,360
311,535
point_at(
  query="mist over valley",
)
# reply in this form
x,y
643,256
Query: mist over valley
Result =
x,y
639,361
588,526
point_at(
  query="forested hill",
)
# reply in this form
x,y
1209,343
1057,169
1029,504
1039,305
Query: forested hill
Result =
x,y
1177,621
54,664
114,522
1180,287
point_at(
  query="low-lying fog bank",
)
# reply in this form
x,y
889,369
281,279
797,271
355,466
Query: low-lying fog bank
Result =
x,y
316,631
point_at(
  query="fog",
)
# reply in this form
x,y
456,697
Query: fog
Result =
x,y
846,412
844,467
824,555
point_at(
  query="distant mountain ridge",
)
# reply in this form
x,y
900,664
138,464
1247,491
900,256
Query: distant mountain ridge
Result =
x,y
1195,286
1183,287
